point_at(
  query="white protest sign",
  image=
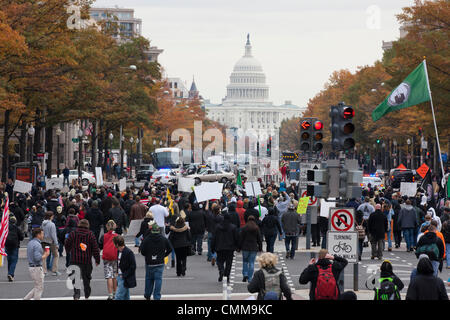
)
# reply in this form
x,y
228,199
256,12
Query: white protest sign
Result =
x,y
408,189
98,176
123,184
253,189
54,183
208,191
135,226
22,186
185,184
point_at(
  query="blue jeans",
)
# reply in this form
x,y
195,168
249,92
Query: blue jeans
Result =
x,y
50,261
153,281
290,243
248,264
389,238
13,257
447,254
137,241
281,235
270,241
197,241
408,234
210,254
122,293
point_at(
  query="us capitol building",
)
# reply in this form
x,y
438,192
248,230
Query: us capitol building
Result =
x,y
246,105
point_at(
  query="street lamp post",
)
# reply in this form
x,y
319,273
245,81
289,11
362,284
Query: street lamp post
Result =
x,y
384,155
129,163
58,134
31,131
80,150
108,160
408,141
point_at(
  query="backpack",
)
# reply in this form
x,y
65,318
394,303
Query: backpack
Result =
x,y
272,283
387,291
428,249
326,288
13,238
361,231
109,250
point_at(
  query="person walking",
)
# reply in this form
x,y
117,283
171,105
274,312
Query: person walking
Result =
x,y
35,256
323,275
425,285
397,231
155,248
138,212
268,279
241,212
197,224
377,226
117,214
109,257
446,234
144,230
82,246
360,228
431,245
390,284
95,218
250,243
408,223
291,222
12,245
213,217
224,242
126,278
270,228
388,212
66,173
50,239
180,238
367,208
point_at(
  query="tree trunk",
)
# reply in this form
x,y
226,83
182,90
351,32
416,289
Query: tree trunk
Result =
x,y
100,144
5,151
49,150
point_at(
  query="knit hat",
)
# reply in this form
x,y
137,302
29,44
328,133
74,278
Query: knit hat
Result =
x,y
155,228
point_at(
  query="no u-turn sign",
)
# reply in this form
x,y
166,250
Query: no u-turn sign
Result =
x,y
342,219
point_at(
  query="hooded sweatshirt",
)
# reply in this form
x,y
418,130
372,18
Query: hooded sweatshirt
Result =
x,y
240,210
425,286
155,247
180,237
407,217
433,215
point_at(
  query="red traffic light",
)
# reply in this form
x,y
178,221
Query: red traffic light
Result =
x,y
305,125
318,125
348,113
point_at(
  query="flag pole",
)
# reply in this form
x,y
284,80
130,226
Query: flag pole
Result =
x,y
434,120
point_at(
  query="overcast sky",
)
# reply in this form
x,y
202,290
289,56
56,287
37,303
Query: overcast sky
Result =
x,y
299,43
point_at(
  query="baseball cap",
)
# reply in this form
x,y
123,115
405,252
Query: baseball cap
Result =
x,y
155,228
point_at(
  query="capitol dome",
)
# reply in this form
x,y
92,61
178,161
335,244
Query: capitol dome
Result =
x,y
247,81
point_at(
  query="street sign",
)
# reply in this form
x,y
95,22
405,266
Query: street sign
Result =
x,y
422,170
304,167
342,219
312,200
343,244
75,140
290,156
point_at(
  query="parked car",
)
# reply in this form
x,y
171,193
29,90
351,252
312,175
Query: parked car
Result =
x,y
210,175
145,172
397,176
163,175
86,177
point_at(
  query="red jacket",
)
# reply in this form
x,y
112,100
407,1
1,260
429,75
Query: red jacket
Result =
x,y
240,210
109,250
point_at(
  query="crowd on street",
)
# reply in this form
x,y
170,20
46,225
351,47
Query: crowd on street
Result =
x,y
88,225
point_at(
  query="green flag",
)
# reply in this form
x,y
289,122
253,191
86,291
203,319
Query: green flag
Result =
x,y
239,179
259,206
412,91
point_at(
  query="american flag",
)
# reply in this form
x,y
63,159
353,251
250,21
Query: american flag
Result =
x,y
61,201
4,227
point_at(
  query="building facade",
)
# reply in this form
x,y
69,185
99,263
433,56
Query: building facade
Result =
x,y
246,105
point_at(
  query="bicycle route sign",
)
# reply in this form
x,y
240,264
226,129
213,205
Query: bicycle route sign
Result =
x,y
343,244
342,219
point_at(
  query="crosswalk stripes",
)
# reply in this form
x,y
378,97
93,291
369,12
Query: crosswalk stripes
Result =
x,y
285,270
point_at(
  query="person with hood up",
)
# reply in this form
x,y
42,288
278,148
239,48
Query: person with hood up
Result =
x,y
155,248
180,237
241,211
224,242
431,245
270,228
234,216
377,226
407,221
144,230
434,217
269,279
95,218
282,207
425,285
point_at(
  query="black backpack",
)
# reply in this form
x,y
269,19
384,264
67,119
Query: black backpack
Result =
x,y
13,238
387,291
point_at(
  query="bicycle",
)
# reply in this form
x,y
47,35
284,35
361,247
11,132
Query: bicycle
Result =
x,y
342,246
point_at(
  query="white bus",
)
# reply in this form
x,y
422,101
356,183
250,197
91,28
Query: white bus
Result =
x,y
167,158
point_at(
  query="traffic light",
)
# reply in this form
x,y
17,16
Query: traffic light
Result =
x,y
257,149
319,176
378,141
269,147
317,136
342,127
305,134
350,180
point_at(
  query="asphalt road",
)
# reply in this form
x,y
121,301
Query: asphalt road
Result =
x,y
200,282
